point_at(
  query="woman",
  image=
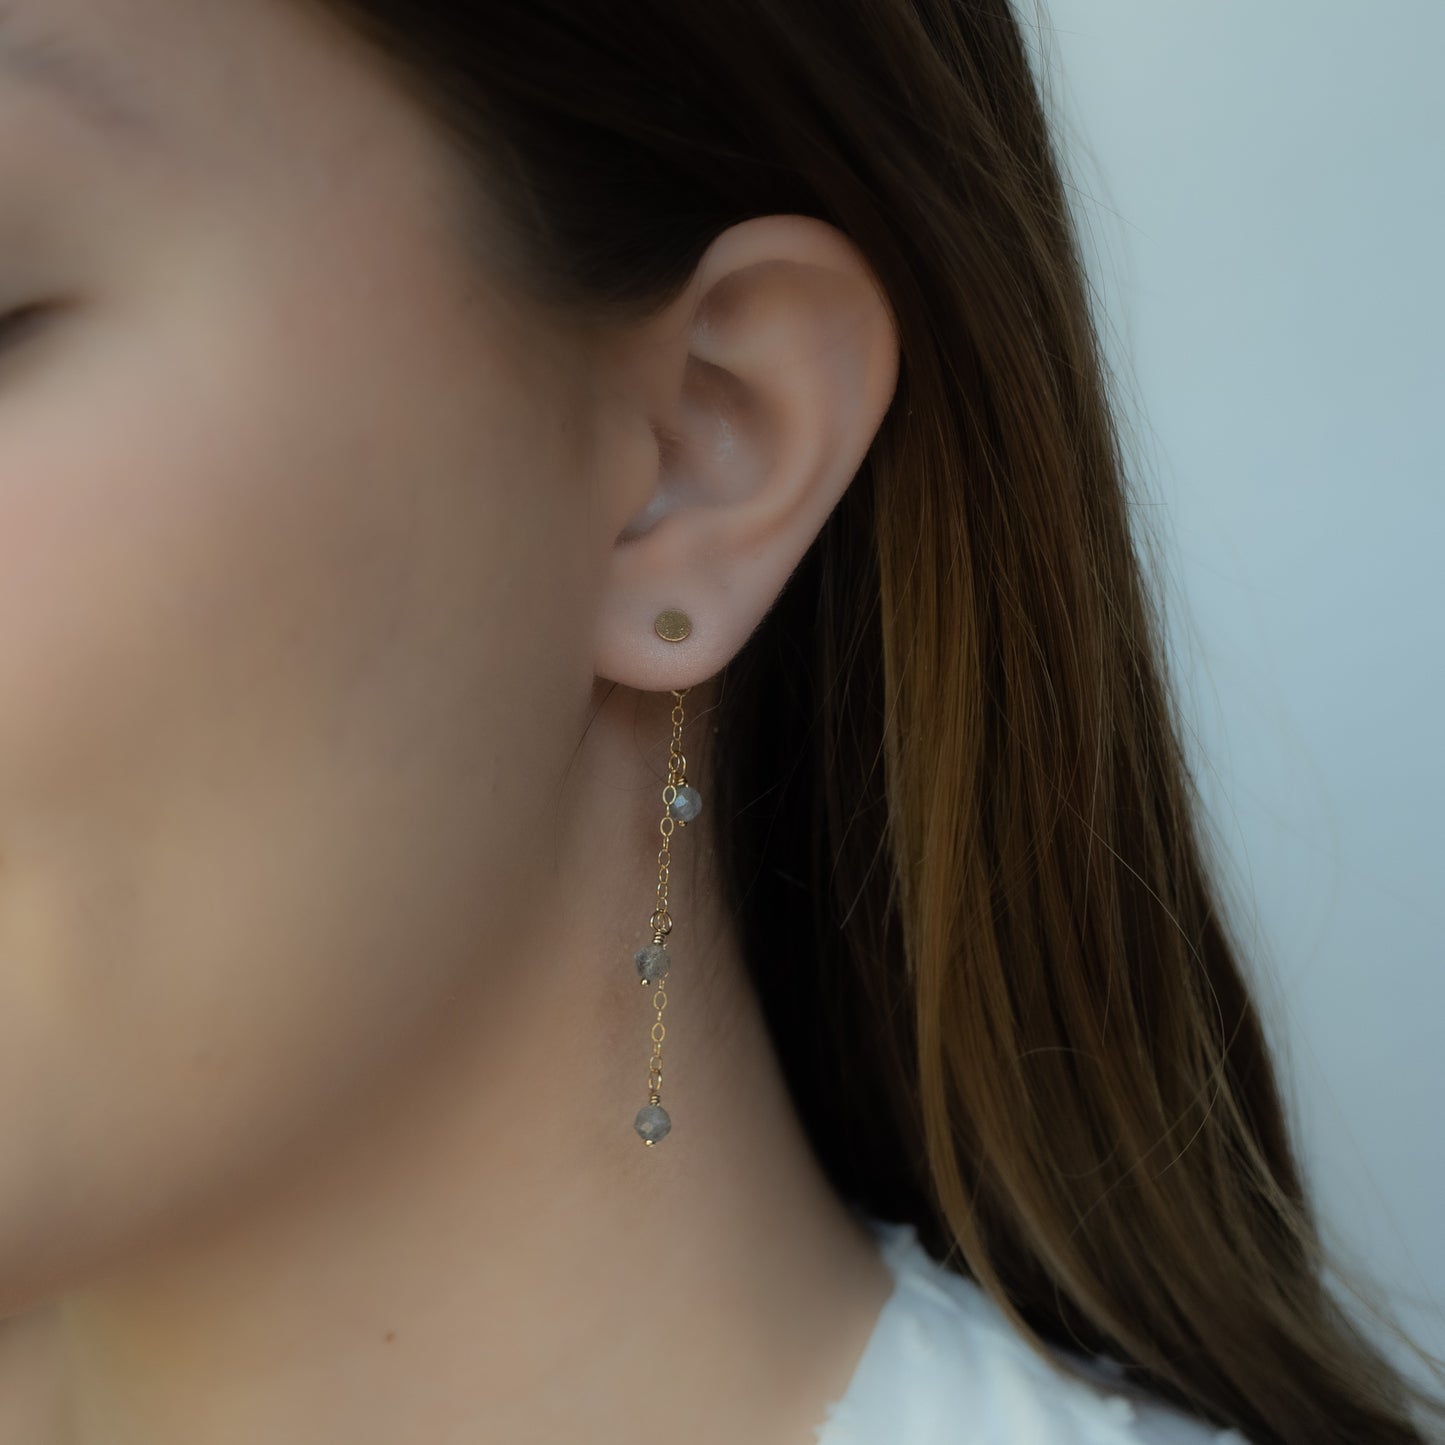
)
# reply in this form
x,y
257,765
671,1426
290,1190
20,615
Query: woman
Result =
x,y
503,503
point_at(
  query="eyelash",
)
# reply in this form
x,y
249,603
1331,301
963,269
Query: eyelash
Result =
x,y
16,323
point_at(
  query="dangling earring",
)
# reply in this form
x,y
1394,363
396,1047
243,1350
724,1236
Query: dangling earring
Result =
x,y
681,803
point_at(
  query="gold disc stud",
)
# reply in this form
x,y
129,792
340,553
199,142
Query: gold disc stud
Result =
x,y
672,625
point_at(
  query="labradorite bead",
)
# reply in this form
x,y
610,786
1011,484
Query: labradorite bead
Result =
x,y
652,961
686,805
652,1123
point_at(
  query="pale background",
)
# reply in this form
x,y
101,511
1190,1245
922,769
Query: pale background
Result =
x,y
1263,204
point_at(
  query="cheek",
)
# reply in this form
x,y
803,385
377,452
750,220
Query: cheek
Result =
x,y
275,721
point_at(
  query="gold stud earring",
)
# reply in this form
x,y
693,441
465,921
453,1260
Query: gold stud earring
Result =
x,y
672,625
681,803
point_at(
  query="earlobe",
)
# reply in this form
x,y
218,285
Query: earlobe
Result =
x,y
764,386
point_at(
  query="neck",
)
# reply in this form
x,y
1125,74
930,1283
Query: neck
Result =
x,y
485,1250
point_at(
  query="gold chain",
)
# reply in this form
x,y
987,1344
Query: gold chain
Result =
x,y
661,920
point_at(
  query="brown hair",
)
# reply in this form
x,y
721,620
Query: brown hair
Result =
x,y
957,827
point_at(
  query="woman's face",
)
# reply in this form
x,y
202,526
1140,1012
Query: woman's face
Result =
x,y
292,554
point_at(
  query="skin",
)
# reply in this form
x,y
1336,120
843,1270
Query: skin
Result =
x,y
331,752
332,744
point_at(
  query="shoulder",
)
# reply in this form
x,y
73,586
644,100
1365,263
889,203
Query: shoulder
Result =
x,y
945,1366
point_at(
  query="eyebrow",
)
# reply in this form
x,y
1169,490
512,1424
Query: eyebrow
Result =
x,y
56,67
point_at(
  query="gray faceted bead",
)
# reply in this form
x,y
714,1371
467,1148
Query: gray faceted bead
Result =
x,y
653,961
652,1123
686,805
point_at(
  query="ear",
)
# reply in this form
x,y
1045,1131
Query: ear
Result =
x,y
749,405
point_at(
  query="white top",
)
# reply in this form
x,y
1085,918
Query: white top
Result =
x,y
944,1366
